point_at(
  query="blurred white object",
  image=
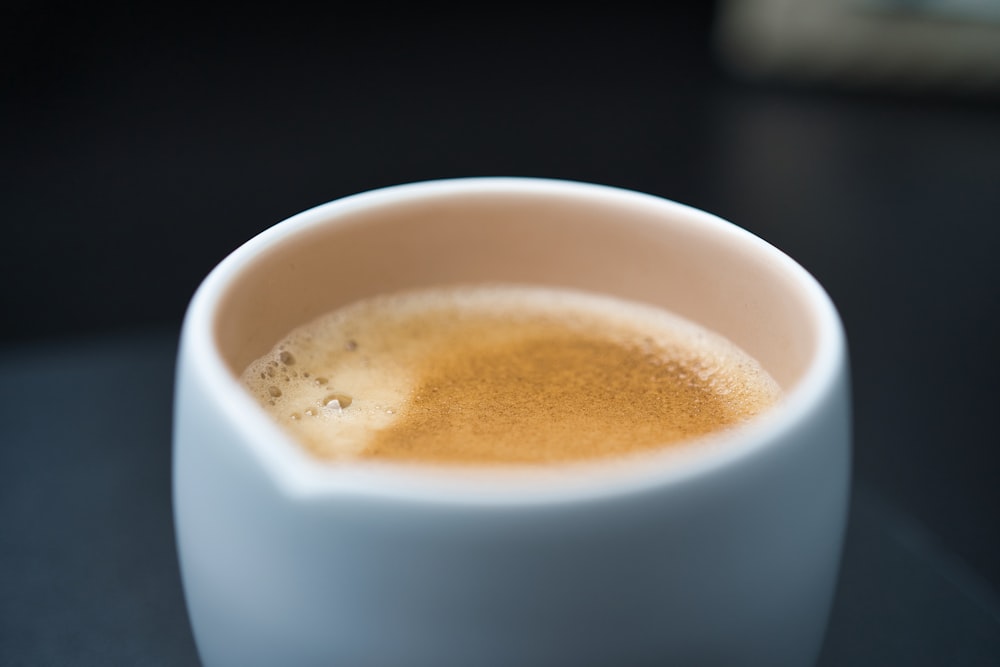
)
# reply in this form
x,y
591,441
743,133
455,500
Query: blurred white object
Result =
x,y
892,43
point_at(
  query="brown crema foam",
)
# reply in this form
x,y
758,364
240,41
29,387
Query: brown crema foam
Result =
x,y
497,374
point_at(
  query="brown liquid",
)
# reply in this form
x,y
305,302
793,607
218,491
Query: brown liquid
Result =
x,y
503,374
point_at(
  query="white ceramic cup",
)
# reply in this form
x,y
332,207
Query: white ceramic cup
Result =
x,y
724,552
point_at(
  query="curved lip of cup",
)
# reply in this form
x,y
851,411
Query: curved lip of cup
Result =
x,y
301,476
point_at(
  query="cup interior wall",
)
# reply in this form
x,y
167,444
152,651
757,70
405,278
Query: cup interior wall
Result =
x,y
635,248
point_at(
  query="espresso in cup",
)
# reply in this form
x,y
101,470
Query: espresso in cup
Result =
x,y
429,528
504,374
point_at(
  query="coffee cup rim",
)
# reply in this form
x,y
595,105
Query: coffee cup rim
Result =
x,y
301,476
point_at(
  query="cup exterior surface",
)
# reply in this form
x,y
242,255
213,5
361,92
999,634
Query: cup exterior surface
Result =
x,y
730,558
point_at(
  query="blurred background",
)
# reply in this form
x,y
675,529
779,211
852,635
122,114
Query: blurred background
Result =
x,y
138,146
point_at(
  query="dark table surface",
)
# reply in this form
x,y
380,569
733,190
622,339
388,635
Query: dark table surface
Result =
x,y
137,148
89,569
